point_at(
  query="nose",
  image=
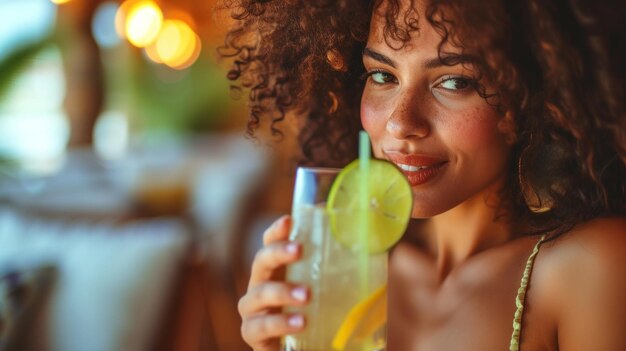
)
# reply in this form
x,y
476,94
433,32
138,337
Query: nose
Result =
x,y
408,120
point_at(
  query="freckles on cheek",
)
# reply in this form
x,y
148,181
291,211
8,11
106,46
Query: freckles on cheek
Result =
x,y
479,128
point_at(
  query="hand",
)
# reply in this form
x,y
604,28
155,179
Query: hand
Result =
x,y
263,323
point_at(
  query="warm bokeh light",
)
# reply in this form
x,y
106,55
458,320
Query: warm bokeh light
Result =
x,y
120,17
143,23
59,2
170,41
188,56
177,45
152,53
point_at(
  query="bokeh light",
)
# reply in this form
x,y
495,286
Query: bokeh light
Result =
x,y
177,45
152,54
103,25
168,40
60,2
120,17
111,135
143,23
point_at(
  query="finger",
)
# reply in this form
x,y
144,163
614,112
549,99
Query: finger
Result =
x,y
278,231
272,257
270,295
263,330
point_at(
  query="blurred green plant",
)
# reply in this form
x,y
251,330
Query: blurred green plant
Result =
x,y
160,100
18,60
7,163
13,64
192,101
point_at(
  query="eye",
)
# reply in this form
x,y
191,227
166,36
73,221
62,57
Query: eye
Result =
x,y
456,83
380,77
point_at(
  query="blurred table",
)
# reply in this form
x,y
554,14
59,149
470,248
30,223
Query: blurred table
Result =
x,y
204,182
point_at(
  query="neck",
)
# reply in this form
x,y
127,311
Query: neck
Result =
x,y
466,230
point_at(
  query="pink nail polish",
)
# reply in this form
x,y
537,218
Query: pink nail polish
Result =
x,y
296,321
299,293
291,248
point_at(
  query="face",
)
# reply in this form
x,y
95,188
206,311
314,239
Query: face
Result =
x,y
428,119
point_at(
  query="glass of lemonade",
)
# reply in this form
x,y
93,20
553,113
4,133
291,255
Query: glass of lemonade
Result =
x,y
347,310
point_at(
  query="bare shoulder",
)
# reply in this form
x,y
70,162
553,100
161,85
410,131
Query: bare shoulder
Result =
x,y
592,250
584,276
602,231
601,241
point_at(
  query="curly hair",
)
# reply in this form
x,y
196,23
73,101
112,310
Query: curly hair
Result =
x,y
555,66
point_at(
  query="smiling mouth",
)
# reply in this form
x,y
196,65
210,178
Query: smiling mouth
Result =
x,y
418,175
409,168
418,168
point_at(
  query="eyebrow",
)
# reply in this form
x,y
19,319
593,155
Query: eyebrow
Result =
x,y
445,60
378,57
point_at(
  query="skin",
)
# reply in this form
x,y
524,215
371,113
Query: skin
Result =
x,y
454,276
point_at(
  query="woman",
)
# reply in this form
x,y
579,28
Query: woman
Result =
x,y
508,118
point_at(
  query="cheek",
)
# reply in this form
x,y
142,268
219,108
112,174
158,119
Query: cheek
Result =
x,y
373,117
478,129
368,118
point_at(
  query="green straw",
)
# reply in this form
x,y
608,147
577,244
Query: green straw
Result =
x,y
364,197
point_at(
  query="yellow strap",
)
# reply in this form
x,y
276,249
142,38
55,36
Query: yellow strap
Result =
x,y
521,295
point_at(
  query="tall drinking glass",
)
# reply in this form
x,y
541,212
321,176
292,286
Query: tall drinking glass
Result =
x,y
343,314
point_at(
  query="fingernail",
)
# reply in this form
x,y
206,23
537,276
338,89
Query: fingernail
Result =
x,y
276,223
280,221
291,248
299,293
296,321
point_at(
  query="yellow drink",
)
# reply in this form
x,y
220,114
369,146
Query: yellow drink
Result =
x,y
341,314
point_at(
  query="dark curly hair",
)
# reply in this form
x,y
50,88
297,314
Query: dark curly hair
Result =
x,y
556,67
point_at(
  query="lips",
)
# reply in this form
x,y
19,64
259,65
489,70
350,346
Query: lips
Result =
x,y
418,169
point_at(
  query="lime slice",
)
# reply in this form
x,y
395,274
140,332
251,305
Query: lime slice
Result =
x,y
363,320
389,205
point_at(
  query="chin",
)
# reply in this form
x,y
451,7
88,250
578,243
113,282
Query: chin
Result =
x,y
424,212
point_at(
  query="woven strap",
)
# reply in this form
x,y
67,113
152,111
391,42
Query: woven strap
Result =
x,y
521,296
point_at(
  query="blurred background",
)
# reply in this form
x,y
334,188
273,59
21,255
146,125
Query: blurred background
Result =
x,y
131,202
